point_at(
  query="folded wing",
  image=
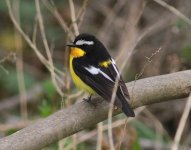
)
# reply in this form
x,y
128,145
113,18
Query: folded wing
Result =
x,y
102,80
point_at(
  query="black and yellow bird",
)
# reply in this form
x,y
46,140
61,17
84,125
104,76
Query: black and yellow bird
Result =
x,y
93,70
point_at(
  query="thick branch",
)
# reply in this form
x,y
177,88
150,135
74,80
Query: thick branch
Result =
x,y
83,115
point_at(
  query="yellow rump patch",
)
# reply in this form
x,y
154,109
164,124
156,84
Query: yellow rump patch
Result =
x,y
77,52
105,63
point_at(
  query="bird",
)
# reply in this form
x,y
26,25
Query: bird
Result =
x,y
94,70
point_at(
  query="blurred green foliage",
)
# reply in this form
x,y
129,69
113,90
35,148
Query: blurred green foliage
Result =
x,y
181,24
9,82
11,131
49,88
45,108
146,132
186,53
136,145
67,144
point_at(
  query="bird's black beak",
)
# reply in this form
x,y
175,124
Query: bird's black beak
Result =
x,y
71,45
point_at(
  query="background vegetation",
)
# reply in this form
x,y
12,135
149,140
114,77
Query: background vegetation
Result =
x,y
152,39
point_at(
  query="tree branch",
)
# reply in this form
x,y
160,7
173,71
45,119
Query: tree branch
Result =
x,y
83,115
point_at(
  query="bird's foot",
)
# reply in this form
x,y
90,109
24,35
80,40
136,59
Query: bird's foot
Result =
x,y
89,100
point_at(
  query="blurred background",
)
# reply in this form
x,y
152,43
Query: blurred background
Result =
x,y
150,38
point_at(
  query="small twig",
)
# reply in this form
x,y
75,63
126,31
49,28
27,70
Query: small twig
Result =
x,y
149,144
10,57
31,44
132,46
81,12
74,141
181,125
115,124
99,135
75,95
57,15
19,65
137,76
45,42
174,11
34,31
111,17
158,126
73,17
111,143
61,144
123,135
128,39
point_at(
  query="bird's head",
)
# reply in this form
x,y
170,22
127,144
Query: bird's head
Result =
x,y
83,44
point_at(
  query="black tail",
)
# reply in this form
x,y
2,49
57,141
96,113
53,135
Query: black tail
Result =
x,y
126,108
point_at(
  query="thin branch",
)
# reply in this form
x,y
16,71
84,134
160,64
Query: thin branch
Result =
x,y
41,57
57,15
45,42
149,144
73,17
19,65
71,120
99,136
114,91
130,34
181,125
81,12
34,31
27,39
174,11
122,66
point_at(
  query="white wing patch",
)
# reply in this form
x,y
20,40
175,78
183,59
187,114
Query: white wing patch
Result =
x,y
114,66
83,42
93,70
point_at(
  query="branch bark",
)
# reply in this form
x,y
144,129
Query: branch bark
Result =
x,y
83,115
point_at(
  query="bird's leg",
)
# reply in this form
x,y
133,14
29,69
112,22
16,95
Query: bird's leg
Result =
x,y
89,100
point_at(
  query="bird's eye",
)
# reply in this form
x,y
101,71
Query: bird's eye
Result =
x,y
84,42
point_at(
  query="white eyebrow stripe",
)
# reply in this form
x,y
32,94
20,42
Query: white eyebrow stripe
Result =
x,y
93,70
83,42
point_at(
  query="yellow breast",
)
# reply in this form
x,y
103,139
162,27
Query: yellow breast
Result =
x,y
78,82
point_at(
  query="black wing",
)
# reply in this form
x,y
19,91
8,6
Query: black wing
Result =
x,y
102,80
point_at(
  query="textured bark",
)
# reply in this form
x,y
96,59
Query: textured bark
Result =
x,y
83,115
